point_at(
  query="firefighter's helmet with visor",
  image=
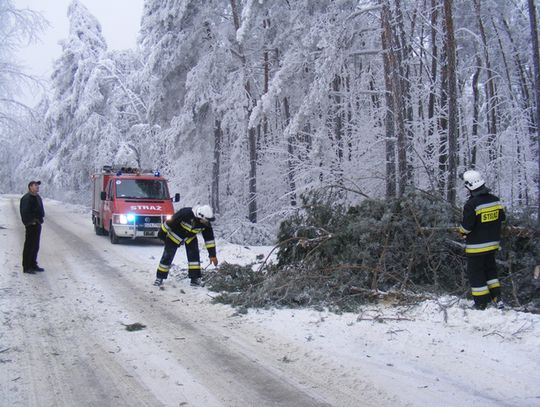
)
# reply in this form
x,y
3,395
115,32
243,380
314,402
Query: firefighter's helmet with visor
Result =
x,y
473,180
204,212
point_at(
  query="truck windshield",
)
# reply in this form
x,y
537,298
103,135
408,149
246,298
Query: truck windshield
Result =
x,y
142,188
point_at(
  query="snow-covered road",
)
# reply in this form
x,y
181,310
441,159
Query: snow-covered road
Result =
x,y
63,337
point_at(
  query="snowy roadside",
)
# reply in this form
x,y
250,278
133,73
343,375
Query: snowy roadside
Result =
x,y
434,352
424,351
496,352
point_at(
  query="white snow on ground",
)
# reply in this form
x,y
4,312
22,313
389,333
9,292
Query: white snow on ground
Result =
x,y
437,353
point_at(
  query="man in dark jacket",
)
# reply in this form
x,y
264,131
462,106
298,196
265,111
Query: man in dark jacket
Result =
x,y
483,215
32,214
183,228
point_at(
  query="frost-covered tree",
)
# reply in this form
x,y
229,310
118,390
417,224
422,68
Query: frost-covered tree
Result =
x,y
533,18
300,107
18,28
187,57
95,116
73,121
249,104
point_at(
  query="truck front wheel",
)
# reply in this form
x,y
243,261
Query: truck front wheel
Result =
x,y
99,230
114,238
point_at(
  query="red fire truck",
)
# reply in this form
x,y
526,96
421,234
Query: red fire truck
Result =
x,y
130,203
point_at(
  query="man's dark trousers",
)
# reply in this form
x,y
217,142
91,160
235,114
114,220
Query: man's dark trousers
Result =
x,y
31,246
485,284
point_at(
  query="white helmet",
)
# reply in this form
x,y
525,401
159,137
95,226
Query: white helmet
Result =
x,y
473,180
203,212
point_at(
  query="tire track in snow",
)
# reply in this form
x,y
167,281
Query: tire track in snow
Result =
x,y
60,362
236,376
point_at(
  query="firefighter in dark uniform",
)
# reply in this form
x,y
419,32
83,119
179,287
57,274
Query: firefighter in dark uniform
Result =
x,y
483,214
183,228
32,214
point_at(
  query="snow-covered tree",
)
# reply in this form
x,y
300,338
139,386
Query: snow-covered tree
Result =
x,y
250,104
95,115
74,119
18,28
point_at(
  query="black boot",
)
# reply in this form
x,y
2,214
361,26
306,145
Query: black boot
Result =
x,y
480,306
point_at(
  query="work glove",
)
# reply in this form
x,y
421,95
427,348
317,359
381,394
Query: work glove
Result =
x,y
459,233
214,261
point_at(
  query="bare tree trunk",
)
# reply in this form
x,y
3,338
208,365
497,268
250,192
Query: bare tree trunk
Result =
x,y
218,136
400,107
434,66
452,102
536,65
396,103
525,95
462,112
405,88
442,123
521,176
291,173
337,116
266,70
401,134
476,111
419,72
252,142
348,133
491,96
389,113
252,135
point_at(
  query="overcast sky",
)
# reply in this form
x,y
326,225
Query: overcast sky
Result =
x,y
120,21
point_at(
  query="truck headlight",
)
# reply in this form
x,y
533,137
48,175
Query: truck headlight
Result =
x,y
124,219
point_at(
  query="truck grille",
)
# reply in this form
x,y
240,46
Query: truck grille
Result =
x,y
148,222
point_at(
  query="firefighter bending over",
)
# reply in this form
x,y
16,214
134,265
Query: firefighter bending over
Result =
x,y
483,214
183,228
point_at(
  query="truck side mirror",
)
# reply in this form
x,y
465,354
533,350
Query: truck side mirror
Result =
x,y
177,197
103,195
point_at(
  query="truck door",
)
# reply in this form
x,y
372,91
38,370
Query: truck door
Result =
x,y
108,205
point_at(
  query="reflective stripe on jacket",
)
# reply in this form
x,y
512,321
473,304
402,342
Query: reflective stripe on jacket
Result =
x,y
483,215
183,227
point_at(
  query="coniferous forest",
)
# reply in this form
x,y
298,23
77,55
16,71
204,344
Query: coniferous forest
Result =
x,y
250,105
